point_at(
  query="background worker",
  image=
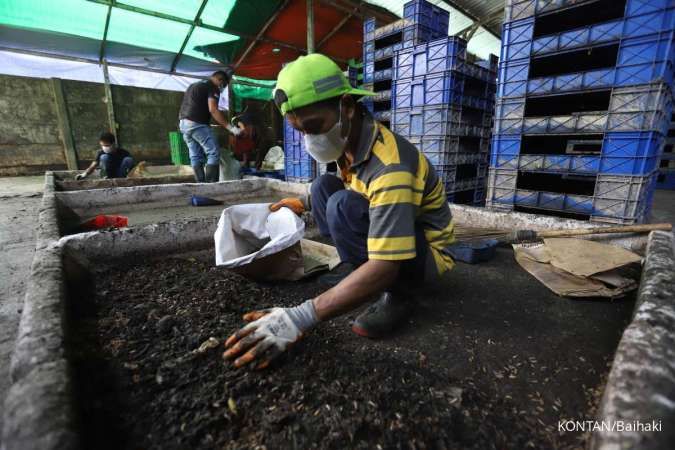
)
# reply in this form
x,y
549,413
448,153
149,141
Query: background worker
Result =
x,y
114,162
387,215
200,104
253,141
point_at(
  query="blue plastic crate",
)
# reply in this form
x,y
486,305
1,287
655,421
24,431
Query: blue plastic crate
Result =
x,y
643,17
382,116
616,199
439,89
628,153
448,150
387,52
427,14
606,32
441,121
635,108
442,88
521,9
640,60
369,25
300,171
475,197
290,133
431,57
368,71
568,203
382,75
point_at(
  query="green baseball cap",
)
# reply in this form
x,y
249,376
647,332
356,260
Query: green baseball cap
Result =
x,y
310,79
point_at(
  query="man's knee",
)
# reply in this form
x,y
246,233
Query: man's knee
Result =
x,y
345,205
325,186
105,158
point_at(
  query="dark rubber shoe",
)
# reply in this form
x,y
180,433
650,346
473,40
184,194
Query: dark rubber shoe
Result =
x,y
199,173
212,173
381,317
336,275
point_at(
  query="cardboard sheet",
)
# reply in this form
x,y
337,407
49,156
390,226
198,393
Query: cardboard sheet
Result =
x,y
560,266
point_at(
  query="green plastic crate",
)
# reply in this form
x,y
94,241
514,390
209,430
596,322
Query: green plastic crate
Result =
x,y
179,151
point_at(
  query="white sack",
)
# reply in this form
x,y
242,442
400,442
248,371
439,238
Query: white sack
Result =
x,y
250,232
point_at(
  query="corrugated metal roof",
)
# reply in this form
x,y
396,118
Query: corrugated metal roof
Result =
x,y
489,12
485,40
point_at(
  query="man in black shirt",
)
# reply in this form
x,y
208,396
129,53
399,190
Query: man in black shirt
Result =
x,y
200,103
114,162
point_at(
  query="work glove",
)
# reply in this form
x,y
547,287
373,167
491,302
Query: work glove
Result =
x,y
234,130
269,333
294,204
81,176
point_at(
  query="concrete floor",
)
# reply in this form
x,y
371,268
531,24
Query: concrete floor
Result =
x,y
20,199
19,202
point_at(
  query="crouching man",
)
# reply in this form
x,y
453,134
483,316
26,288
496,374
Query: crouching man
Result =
x,y
114,162
387,215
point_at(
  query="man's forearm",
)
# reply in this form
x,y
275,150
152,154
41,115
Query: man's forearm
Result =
x,y
219,117
371,278
90,169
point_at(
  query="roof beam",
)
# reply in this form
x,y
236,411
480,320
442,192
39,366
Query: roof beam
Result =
x,y
189,33
387,18
101,51
339,26
471,16
199,23
261,33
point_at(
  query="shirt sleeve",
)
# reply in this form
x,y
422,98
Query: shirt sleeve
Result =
x,y
97,159
393,208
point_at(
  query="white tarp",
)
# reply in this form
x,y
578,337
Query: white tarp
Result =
x,y
19,64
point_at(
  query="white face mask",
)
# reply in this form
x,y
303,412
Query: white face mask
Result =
x,y
107,148
327,147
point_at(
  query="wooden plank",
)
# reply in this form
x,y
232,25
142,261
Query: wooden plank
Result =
x,y
64,124
109,102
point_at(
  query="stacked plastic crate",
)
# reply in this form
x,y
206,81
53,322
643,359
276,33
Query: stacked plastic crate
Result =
x,y
299,166
422,22
584,105
443,102
666,177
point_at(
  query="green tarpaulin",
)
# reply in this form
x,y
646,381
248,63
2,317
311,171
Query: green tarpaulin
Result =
x,y
243,87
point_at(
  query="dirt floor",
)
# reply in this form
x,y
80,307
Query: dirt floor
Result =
x,y
19,202
491,359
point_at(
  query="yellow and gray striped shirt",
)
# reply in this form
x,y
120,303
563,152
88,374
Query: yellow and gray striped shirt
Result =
x,y
404,191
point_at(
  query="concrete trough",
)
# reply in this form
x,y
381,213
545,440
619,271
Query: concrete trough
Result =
x,y
64,180
40,409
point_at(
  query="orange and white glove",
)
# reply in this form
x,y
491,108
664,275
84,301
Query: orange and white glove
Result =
x,y
270,333
294,204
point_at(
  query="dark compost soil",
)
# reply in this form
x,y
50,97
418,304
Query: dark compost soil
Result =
x,y
490,360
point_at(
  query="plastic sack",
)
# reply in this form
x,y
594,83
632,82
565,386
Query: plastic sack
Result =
x,y
229,166
260,244
274,159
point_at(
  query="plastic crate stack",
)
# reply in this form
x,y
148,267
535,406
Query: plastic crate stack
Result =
x,y
443,103
666,177
355,73
583,109
422,22
299,166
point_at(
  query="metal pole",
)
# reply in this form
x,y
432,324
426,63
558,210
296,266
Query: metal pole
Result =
x,y
310,27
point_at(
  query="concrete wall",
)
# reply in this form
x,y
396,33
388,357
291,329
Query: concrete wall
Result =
x,y
29,131
30,140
